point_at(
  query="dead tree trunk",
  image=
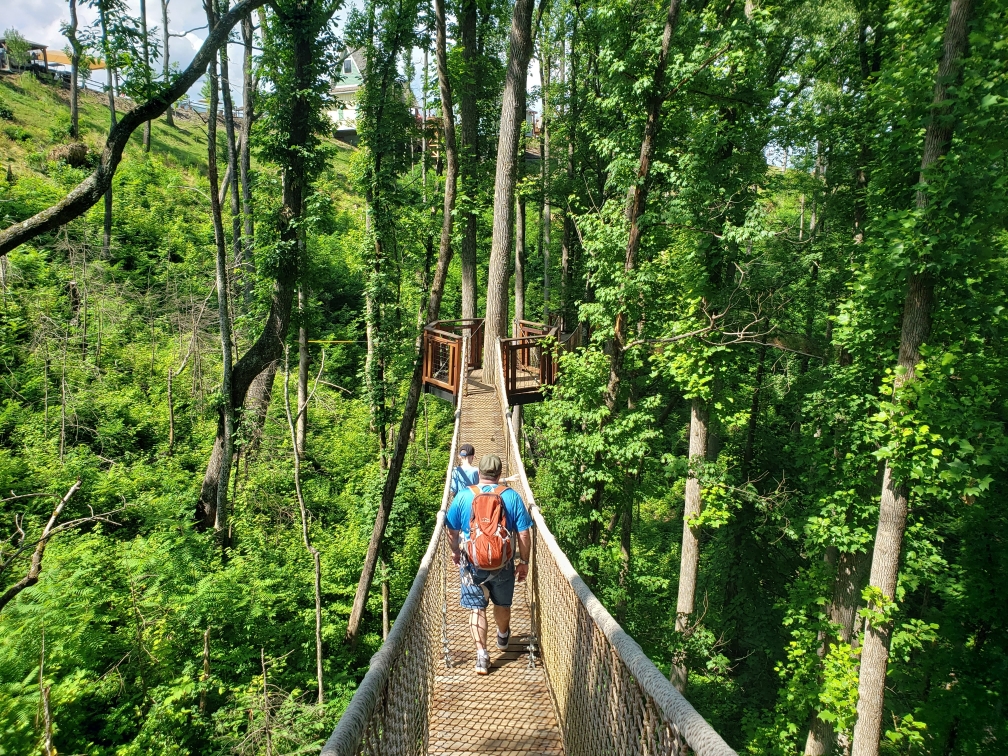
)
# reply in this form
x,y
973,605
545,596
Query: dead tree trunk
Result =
x,y
232,161
432,310
35,568
690,554
302,386
249,86
519,54
316,556
166,68
916,328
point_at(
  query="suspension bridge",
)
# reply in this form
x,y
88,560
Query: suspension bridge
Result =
x,y
572,682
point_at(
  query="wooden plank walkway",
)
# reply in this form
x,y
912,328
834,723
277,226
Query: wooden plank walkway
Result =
x,y
509,711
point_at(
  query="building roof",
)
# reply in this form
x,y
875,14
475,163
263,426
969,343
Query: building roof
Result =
x,y
31,45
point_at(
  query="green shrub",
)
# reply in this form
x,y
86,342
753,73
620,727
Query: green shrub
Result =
x,y
60,130
16,134
5,112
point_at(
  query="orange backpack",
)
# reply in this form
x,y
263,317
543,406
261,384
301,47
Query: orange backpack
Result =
x,y
489,546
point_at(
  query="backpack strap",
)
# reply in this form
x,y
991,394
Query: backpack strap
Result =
x,y
476,490
500,489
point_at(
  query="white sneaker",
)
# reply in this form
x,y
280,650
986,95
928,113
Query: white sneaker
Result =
x,y
482,662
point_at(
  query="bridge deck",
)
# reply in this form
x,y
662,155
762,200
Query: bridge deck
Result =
x,y
508,711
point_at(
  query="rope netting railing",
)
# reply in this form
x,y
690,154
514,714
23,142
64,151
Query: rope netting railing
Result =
x,y
608,697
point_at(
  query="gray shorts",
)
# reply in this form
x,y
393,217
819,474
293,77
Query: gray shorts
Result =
x,y
480,587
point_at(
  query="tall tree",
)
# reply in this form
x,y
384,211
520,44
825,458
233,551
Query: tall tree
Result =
x,y
497,302
469,149
76,50
146,69
389,39
918,311
299,57
249,86
227,412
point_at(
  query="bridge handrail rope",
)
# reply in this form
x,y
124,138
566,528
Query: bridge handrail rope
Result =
x,y
646,713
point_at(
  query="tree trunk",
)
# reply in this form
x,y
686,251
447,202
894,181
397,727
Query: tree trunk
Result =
x,y
268,348
547,209
166,68
145,43
638,201
916,327
226,421
232,161
302,508
842,611
248,114
519,54
109,82
566,248
470,153
75,53
302,387
520,255
690,554
374,374
432,311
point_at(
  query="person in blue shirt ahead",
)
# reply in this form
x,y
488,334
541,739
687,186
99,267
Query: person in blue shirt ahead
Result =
x,y
465,473
480,587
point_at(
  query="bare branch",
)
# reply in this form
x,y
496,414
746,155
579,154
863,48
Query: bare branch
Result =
x,y
36,563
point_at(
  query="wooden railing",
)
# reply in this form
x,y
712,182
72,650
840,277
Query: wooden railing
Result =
x,y
442,355
529,362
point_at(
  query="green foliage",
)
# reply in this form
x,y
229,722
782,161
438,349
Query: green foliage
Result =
x,y
17,47
87,342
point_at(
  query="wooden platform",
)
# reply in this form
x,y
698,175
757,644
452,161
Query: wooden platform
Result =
x,y
508,711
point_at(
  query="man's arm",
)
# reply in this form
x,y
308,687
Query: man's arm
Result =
x,y
453,544
525,551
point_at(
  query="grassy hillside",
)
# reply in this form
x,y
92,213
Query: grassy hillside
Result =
x,y
88,343
42,120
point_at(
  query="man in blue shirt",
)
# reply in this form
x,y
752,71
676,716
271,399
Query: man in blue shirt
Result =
x,y
465,473
480,587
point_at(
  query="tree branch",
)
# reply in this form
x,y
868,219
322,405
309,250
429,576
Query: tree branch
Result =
x,y
36,563
93,188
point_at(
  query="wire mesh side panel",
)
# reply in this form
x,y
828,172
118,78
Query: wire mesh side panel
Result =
x,y
399,723
601,708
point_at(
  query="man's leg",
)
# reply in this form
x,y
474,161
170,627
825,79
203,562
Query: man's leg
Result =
x,y
502,616
478,627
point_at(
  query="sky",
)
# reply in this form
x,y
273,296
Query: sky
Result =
x,y
39,21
